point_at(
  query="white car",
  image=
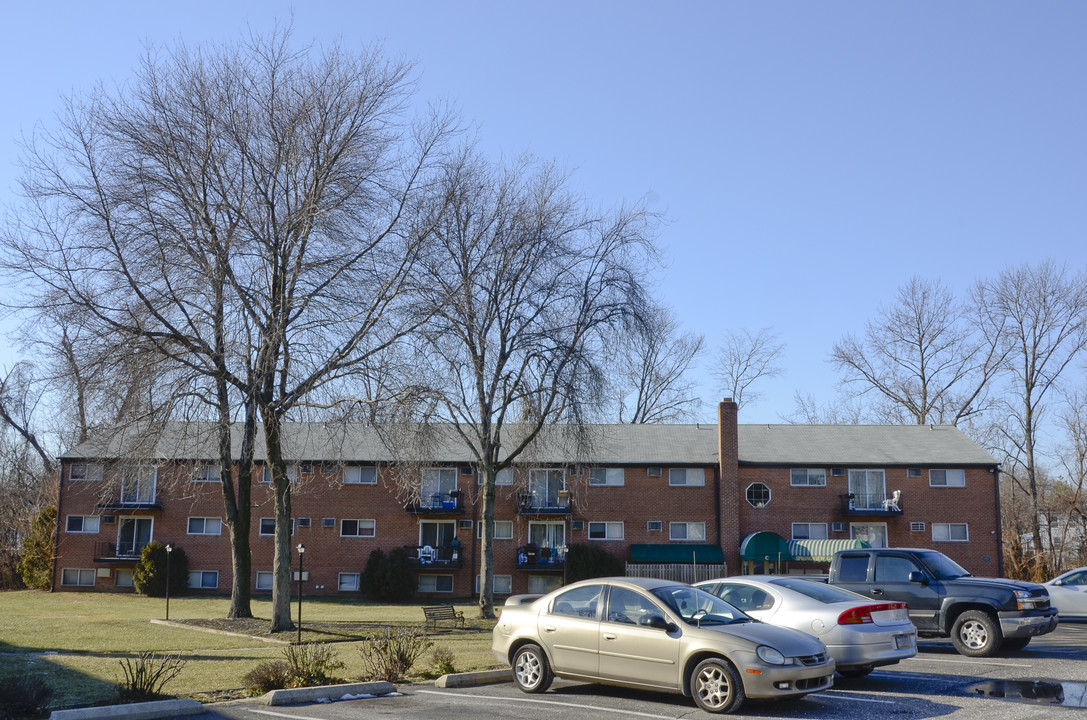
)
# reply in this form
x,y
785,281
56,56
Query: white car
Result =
x,y
1068,593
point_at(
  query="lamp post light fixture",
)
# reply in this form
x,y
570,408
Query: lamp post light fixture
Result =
x,y
169,550
301,553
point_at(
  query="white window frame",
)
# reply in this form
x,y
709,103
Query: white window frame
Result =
x,y
426,579
272,520
361,525
808,530
81,575
769,495
808,476
266,474
91,472
83,524
853,527
218,525
692,477
204,573
129,576
503,524
146,488
350,579
959,473
503,584
946,529
607,477
609,527
360,471
206,473
264,580
686,525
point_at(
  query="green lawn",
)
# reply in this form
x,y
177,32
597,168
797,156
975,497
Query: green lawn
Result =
x,y
76,640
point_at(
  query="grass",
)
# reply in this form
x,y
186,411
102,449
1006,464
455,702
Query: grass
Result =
x,y
75,641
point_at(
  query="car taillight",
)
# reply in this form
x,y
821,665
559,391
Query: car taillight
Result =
x,y
863,614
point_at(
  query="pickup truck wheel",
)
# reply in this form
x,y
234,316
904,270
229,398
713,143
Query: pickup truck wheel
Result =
x,y
976,634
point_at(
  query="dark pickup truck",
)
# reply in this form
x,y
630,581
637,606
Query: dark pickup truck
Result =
x,y
980,615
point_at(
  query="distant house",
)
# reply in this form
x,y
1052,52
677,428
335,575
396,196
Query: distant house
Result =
x,y
773,498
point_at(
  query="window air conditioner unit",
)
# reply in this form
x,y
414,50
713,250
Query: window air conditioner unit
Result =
x,y
465,524
837,472
328,522
576,524
653,472
839,527
913,472
109,519
917,527
465,469
303,522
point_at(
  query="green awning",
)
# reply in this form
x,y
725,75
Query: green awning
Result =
x,y
821,550
764,545
677,553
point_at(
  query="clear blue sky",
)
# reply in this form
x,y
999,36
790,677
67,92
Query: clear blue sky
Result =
x,y
810,156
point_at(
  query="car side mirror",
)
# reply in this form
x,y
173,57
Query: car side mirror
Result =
x,y
656,621
919,577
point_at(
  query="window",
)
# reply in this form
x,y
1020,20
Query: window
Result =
x,y
204,579
611,477
85,471
549,535
503,584
292,474
758,495
124,578
360,475
950,532
809,531
77,576
947,478
264,580
629,607
867,488
689,531
581,602
605,531
348,582
504,477
138,486
436,533
812,477
653,471
82,524
358,528
436,583
306,468
206,472
654,525
206,526
894,568
503,530
437,482
875,534
544,486
686,476
543,584
328,467
268,526
913,472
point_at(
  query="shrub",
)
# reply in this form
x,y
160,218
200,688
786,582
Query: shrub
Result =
x,y
443,659
24,697
149,576
35,564
391,652
389,578
269,675
146,674
589,561
312,664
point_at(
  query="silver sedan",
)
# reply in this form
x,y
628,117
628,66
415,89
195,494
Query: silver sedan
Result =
x,y
1068,593
859,633
656,635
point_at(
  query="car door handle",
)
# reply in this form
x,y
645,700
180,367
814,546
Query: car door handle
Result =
x,y
877,591
609,636
549,628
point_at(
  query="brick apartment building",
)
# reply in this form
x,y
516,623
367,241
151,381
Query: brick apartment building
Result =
x,y
777,498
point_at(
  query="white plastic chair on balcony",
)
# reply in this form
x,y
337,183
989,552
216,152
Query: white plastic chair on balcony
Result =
x,y
891,503
426,554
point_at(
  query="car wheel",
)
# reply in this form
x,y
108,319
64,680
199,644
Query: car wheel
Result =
x,y
530,669
857,671
716,686
976,634
1014,644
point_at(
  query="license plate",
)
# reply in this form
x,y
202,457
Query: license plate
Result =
x,y
903,641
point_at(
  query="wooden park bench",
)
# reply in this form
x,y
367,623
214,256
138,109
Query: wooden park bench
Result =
x,y
438,613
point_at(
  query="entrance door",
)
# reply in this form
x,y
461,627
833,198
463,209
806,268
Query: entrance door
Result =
x,y
132,534
868,489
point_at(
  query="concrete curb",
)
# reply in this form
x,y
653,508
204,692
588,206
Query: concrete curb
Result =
x,y
468,679
324,692
132,711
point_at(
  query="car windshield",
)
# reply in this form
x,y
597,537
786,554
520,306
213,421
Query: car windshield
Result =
x,y
698,607
943,567
817,590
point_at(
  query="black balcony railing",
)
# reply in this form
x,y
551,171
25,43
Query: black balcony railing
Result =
x,y
875,505
533,504
430,557
450,503
126,552
531,557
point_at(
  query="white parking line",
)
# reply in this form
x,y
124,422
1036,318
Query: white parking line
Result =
x,y
594,708
837,696
282,715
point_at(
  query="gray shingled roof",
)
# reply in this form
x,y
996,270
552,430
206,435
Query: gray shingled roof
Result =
x,y
608,444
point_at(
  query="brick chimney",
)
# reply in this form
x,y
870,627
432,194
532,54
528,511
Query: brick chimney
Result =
x,y
728,453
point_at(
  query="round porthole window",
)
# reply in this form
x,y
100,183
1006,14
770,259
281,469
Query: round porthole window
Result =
x,y
758,495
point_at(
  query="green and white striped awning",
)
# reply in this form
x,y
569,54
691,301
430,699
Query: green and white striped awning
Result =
x,y
821,550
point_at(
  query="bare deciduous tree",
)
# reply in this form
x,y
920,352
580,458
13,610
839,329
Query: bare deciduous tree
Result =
x,y
651,364
744,359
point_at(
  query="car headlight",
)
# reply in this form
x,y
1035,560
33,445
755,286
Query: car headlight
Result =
x,y
770,656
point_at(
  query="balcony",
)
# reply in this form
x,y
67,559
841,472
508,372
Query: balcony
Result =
x,y
150,504
536,559
427,557
118,552
438,504
533,504
876,505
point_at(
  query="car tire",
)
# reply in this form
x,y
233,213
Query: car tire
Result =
x,y
531,671
1014,644
857,671
716,687
976,634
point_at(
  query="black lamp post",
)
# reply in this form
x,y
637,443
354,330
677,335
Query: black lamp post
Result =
x,y
301,553
169,549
